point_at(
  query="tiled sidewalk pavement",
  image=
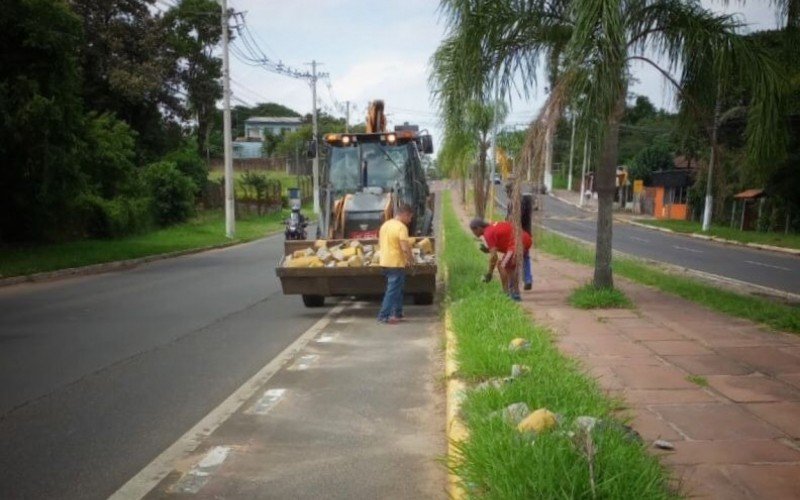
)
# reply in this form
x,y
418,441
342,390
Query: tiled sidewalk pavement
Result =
x,y
735,425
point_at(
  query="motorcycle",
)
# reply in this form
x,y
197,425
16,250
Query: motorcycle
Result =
x,y
295,226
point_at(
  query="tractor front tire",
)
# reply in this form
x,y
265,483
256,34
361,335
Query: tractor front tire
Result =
x,y
313,300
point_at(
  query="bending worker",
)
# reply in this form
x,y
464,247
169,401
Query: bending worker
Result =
x,y
499,237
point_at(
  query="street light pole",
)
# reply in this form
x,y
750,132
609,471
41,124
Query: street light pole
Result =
x,y
230,206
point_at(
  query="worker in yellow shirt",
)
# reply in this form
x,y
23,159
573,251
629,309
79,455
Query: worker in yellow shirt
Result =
x,y
394,258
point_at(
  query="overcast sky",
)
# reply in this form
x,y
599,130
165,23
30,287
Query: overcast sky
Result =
x,y
377,49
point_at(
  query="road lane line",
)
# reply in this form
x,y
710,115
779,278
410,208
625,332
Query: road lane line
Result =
x,y
687,249
643,240
303,362
198,476
767,265
152,474
266,402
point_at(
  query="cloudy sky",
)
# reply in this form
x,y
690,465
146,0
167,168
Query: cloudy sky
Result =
x,y
377,49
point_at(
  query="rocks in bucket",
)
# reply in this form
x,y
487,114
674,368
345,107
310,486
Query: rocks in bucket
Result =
x,y
353,253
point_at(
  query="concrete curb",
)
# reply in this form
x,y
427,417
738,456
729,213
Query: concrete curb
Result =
x,y
117,265
759,246
456,430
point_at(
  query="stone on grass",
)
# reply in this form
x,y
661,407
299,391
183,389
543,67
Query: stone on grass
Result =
x,y
626,430
663,445
519,370
586,423
512,414
495,383
538,421
519,344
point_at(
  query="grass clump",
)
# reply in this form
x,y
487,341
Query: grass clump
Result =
x,y
205,230
776,315
698,380
498,462
591,297
764,238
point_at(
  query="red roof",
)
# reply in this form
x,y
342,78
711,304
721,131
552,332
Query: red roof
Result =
x,y
750,194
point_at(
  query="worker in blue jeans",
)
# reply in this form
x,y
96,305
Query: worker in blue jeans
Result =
x,y
395,256
526,212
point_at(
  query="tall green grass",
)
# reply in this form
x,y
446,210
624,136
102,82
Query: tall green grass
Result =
x,y
496,461
776,315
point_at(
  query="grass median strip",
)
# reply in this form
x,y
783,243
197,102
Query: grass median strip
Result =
x,y
497,461
205,230
776,315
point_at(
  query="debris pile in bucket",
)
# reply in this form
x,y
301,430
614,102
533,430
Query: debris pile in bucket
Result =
x,y
353,253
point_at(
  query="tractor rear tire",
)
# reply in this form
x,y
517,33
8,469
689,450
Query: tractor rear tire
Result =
x,y
313,300
423,299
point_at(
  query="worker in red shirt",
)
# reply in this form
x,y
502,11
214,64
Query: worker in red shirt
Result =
x,y
499,237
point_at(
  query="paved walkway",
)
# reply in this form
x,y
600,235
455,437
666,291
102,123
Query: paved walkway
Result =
x,y
724,391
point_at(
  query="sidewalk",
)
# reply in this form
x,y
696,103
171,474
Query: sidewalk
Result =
x,y
356,413
724,391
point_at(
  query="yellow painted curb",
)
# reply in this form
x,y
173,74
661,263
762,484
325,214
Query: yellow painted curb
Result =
x,y
456,430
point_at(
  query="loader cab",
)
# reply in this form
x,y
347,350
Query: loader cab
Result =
x,y
375,170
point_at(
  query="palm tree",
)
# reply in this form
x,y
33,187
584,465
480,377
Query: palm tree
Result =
x,y
592,44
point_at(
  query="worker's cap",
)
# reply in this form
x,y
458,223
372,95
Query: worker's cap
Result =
x,y
477,223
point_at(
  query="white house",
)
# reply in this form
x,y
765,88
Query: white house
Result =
x,y
256,126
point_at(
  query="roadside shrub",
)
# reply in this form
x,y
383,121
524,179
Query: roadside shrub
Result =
x,y
190,164
120,216
171,191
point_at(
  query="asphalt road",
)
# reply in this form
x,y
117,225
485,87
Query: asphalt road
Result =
x,y
100,374
759,267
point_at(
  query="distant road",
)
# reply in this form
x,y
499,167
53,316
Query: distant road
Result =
x,y
759,267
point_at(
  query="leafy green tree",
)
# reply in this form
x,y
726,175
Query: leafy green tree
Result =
x,y
109,159
41,118
171,191
129,69
651,159
591,45
194,33
190,164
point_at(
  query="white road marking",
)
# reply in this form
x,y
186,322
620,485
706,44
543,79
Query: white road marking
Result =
x,y
687,249
326,338
767,265
344,321
304,362
198,476
643,240
266,402
147,478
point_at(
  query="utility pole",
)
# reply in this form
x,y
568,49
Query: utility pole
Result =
x,y
230,206
583,170
347,118
571,154
315,168
709,196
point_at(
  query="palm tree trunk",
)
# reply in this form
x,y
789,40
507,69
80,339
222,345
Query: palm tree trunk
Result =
x,y
603,276
480,182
